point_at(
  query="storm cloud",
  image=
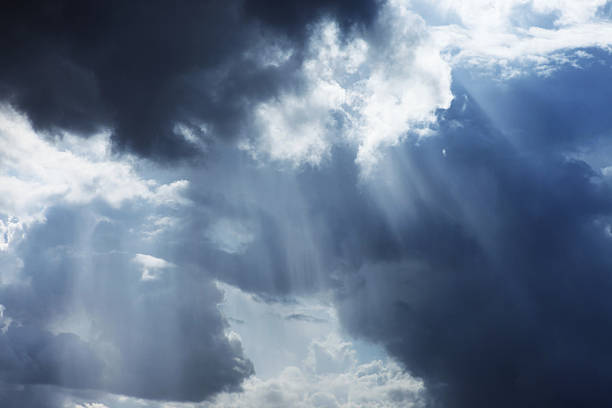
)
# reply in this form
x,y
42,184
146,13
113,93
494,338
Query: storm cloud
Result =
x,y
149,69
258,202
496,293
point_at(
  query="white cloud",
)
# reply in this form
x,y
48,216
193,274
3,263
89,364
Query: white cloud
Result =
x,y
194,134
11,265
497,13
170,194
330,355
374,384
10,230
377,384
519,35
407,82
152,267
5,320
157,225
37,172
368,91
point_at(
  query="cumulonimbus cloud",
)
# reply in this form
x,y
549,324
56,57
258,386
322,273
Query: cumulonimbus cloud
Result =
x,y
478,257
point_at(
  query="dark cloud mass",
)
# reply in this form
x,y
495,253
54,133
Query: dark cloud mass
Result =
x,y
480,257
484,269
498,295
293,17
28,396
479,260
140,67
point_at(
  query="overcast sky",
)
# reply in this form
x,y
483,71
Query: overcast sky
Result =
x,y
329,203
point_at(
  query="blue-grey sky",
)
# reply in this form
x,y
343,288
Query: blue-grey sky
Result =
x,y
260,203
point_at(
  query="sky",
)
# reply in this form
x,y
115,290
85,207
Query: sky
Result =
x,y
333,203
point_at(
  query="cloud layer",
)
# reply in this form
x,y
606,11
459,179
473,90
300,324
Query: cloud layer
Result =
x,y
434,177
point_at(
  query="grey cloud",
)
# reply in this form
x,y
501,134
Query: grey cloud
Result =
x,y
108,329
33,356
19,396
552,115
498,294
484,270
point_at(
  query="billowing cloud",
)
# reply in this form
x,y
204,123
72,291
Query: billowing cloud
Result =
x,y
381,384
495,291
376,384
211,204
459,251
86,304
365,90
38,172
512,37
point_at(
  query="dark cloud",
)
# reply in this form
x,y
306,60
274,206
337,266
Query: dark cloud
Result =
x,y
478,257
479,261
19,396
564,111
33,356
293,17
141,67
497,295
